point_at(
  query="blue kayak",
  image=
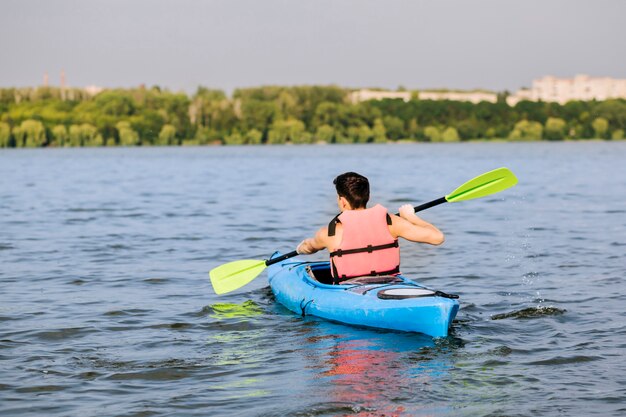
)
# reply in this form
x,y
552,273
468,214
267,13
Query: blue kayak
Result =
x,y
387,302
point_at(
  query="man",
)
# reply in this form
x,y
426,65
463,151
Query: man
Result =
x,y
364,241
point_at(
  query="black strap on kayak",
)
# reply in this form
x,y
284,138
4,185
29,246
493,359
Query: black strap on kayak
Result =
x,y
303,307
446,295
293,265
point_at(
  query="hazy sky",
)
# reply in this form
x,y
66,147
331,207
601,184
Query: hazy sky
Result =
x,y
180,44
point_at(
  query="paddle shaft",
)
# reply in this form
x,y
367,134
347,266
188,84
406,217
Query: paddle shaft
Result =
x,y
430,204
418,208
281,258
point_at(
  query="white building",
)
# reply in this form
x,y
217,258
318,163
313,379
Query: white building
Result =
x,y
562,90
471,96
365,95
92,90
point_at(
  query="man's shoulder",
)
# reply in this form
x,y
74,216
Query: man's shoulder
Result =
x,y
328,241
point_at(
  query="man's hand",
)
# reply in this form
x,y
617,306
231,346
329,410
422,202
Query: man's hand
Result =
x,y
407,212
412,228
305,248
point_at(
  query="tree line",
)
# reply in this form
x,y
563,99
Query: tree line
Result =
x,y
61,117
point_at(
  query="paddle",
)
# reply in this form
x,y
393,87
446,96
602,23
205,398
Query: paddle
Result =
x,y
233,275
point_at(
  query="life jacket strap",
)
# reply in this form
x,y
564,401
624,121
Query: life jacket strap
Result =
x,y
332,226
337,279
368,249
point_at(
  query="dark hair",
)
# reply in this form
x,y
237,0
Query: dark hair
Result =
x,y
353,187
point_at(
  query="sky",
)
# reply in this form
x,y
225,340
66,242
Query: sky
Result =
x,y
418,44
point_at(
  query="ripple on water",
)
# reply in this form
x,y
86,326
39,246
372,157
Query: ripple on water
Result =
x,y
529,313
132,312
62,334
564,360
156,281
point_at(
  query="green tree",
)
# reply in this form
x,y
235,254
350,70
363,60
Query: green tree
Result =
x,y
5,135
60,135
258,114
617,134
327,114
204,136
450,134
254,137
167,135
30,134
303,137
84,135
291,130
614,111
469,129
555,128
364,134
395,127
75,136
91,135
235,138
128,137
342,138
526,130
352,134
115,103
432,133
325,133
600,127
379,131
413,129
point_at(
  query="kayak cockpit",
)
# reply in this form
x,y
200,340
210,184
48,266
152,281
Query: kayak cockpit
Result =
x,y
321,273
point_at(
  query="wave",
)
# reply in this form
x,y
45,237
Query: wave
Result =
x,y
529,313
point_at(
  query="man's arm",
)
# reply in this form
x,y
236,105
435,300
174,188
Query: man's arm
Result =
x,y
411,227
315,243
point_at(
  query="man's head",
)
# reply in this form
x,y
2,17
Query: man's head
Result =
x,y
354,188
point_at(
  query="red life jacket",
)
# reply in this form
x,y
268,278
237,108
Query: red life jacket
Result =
x,y
367,247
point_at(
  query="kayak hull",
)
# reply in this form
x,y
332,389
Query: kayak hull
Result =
x,y
294,286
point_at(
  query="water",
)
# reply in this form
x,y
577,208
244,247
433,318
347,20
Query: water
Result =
x,y
106,307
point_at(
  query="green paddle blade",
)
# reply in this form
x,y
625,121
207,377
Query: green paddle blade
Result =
x,y
228,277
483,185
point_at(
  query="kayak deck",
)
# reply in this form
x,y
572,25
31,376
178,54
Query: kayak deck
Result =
x,y
391,302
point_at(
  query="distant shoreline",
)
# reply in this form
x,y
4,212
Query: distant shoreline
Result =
x,y
57,117
324,144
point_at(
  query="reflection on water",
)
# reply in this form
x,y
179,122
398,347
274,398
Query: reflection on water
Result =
x,y
231,310
367,375
372,373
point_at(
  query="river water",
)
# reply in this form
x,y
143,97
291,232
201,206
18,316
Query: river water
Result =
x,y
106,307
